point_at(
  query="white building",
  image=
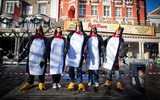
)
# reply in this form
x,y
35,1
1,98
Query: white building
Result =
x,y
154,20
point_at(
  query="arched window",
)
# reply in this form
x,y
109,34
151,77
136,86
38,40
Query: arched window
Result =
x,y
71,12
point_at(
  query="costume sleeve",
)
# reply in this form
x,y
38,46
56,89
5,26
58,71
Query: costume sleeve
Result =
x,y
65,46
100,46
122,48
68,41
65,51
86,49
48,47
85,45
104,48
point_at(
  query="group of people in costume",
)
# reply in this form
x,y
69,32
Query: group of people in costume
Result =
x,y
69,54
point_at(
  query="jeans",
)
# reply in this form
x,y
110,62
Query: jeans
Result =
x,y
116,72
73,71
93,76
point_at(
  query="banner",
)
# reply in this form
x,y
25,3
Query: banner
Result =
x,y
105,27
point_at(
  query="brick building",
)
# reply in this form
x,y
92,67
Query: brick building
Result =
x,y
105,14
112,11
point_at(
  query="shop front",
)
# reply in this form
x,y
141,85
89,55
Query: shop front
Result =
x,y
141,41
142,48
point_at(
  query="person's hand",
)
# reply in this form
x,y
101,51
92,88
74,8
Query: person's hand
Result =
x,y
121,62
42,64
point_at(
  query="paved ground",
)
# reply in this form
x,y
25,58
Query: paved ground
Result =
x,y
12,76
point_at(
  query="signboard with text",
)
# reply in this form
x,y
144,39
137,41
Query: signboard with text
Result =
x,y
105,27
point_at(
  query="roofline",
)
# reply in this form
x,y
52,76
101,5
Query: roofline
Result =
x,y
154,10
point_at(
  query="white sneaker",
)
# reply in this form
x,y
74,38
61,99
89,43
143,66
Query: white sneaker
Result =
x,y
59,85
96,84
133,81
89,84
54,86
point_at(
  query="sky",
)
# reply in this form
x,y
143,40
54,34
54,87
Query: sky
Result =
x,y
152,4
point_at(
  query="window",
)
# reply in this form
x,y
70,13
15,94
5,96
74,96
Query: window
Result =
x,y
106,10
94,10
10,6
118,2
95,1
118,12
148,48
129,1
42,8
104,2
82,10
131,51
83,1
129,12
29,10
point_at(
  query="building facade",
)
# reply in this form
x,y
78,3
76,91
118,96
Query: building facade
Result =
x,y
113,11
46,7
28,16
105,14
32,7
153,19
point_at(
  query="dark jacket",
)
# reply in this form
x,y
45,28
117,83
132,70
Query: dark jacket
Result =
x,y
120,52
83,46
100,47
26,51
49,49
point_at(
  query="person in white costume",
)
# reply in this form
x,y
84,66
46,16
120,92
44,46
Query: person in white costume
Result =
x,y
36,52
57,56
76,42
114,54
94,53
